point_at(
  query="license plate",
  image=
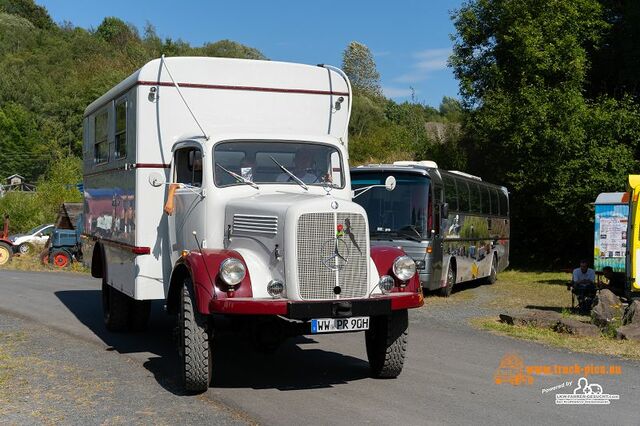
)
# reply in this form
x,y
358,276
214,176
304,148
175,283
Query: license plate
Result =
x,y
332,325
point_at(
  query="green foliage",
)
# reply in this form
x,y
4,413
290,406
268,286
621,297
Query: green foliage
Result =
x,y
50,73
358,64
522,68
28,10
28,209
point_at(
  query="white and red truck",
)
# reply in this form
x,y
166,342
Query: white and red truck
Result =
x,y
252,158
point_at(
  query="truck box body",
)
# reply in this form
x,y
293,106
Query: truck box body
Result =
x,y
230,97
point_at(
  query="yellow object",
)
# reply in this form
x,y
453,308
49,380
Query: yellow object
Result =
x,y
633,240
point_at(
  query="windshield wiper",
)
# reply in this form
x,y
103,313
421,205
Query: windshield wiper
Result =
x,y
295,178
238,177
414,229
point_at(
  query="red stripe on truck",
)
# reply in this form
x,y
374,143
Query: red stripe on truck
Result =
x,y
246,88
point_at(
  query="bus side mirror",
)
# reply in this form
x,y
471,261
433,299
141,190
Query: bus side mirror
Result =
x,y
390,183
445,210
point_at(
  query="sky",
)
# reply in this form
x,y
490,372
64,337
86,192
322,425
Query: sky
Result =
x,y
410,39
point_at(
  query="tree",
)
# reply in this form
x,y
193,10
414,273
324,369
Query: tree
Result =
x,y
522,68
358,64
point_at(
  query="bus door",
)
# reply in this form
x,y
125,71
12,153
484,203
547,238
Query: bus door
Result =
x,y
436,232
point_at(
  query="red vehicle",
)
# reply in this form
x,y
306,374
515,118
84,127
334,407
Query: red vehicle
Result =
x,y
6,246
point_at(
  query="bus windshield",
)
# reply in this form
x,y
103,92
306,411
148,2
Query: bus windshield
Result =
x,y
403,212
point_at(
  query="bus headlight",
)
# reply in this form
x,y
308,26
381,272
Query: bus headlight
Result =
x,y
232,271
404,268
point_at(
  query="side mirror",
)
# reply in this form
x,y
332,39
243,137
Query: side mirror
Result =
x,y
445,210
390,183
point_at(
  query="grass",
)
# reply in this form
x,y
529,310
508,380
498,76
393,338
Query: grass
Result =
x,y
519,291
596,345
31,262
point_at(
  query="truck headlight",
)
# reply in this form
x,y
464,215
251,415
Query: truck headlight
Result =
x,y
275,288
386,283
404,268
232,271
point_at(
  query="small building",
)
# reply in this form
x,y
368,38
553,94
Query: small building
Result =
x,y
16,182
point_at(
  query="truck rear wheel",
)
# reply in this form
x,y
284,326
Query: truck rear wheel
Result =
x,y
194,349
139,314
5,253
115,308
386,342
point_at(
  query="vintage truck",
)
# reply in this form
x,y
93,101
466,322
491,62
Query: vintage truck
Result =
x,y
251,158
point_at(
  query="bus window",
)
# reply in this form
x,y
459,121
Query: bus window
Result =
x,y
474,189
486,200
463,195
494,202
504,204
450,194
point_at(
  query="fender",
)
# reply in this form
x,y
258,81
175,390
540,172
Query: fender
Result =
x,y
383,257
204,270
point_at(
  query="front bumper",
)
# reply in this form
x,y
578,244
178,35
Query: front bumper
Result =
x,y
302,310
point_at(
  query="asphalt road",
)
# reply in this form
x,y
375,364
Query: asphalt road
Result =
x,y
448,375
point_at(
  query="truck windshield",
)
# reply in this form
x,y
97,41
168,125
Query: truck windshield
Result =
x,y
403,212
311,163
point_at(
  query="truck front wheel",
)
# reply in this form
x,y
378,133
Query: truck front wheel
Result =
x,y
115,308
194,349
386,342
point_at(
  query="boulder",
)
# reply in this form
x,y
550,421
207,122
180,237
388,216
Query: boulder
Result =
x,y
577,328
629,332
608,308
632,314
533,318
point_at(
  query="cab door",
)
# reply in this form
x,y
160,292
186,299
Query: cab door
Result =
x,y
189,214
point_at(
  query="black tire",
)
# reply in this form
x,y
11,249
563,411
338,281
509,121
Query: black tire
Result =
x,y
116,308
386,342
193,345
493,275
139,314
5,253
451,280
25,248
44,257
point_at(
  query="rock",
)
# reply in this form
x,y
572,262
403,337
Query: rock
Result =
x,y
577,328
632,314
629,332
608,308
533,318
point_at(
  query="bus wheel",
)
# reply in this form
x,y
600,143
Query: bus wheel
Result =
x,y
193,346
451,280
493,275
386,342
115,308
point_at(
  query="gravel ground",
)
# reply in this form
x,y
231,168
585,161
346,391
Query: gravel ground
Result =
x,y
48,377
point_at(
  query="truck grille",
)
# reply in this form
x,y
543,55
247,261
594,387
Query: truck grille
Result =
x,y
245,223
318,272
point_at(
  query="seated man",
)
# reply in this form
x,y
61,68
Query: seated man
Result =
x,y
302,168
616,281
583,286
